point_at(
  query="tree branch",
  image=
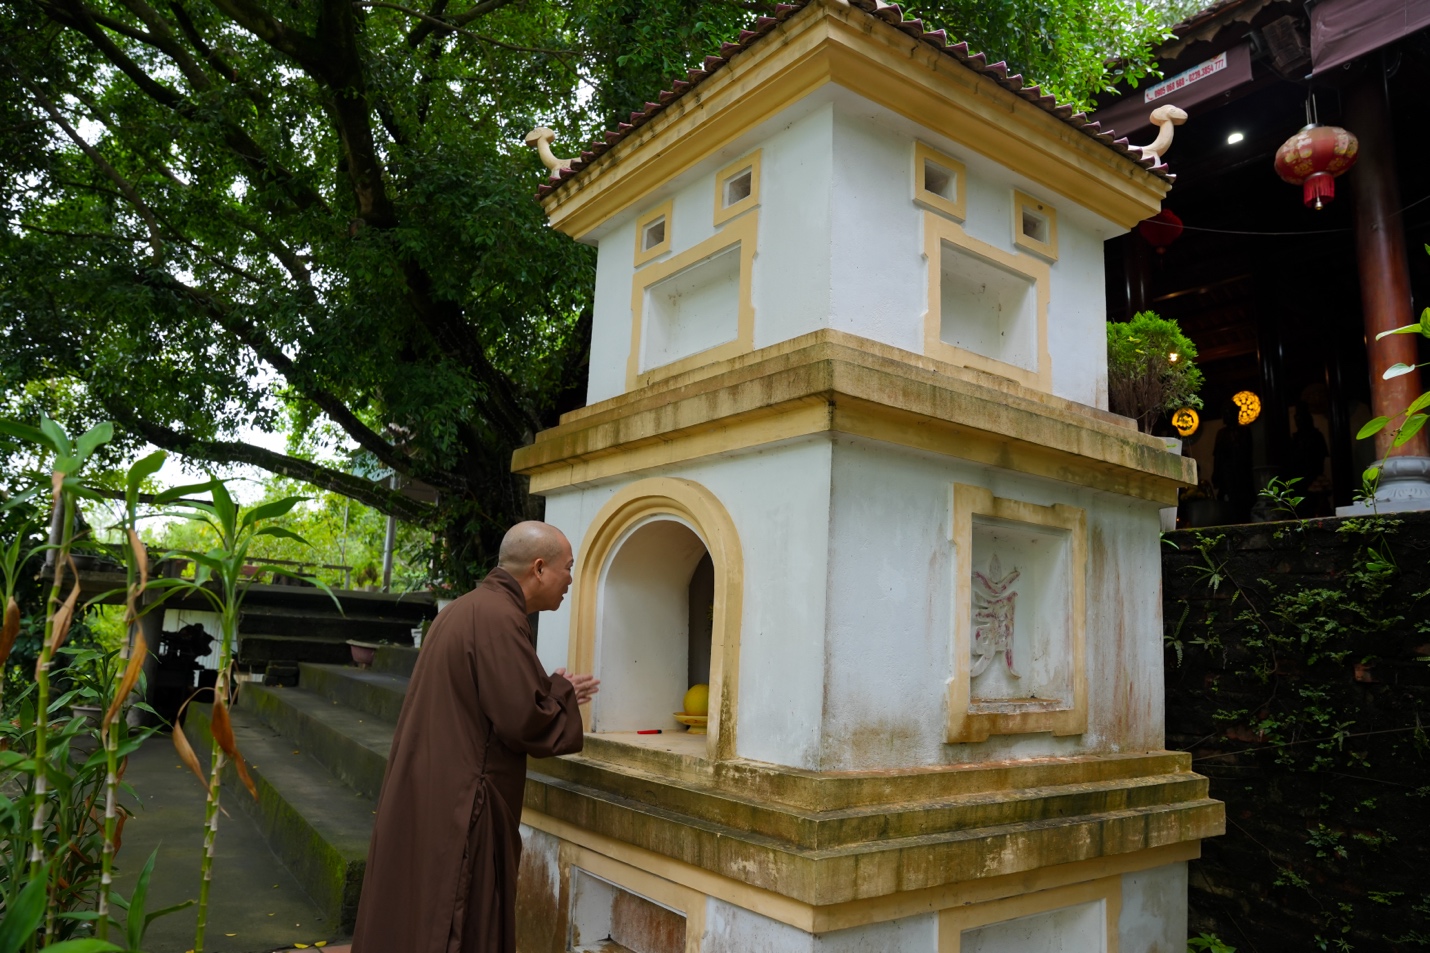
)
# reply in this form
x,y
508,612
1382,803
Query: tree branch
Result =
x,y
224,451
156,242
424,29
448,26
253,156
329,403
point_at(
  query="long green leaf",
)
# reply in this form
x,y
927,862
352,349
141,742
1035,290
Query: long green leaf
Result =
x,y
173,493
23,917
26,433
92,438
1407,329
143,469
19,498
224,507
271,511
1409,429
57,436
165,911
135,923
281,533
1419,403
1372,427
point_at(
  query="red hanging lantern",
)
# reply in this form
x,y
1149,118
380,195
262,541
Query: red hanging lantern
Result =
x,y
1161,229
1313,158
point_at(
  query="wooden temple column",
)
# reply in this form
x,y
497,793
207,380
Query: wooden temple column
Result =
x,y
1380,254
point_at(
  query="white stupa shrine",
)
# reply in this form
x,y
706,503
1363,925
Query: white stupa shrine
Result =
x,y
846,460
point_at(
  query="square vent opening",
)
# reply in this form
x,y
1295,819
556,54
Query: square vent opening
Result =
x,y
693,310
939,180
988,309
653,234
739,186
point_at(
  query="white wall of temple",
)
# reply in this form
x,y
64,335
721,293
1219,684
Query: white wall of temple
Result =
x,y
1149,916
890,594
841,243
1154,910
778,499
733,929
847,623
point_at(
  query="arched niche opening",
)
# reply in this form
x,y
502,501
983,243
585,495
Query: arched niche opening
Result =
x,y
656,608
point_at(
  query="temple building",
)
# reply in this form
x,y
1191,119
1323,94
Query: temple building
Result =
x,y
847,470
1283,299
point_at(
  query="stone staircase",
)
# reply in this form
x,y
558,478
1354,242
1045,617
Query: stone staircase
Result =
x,y
294,624
317,753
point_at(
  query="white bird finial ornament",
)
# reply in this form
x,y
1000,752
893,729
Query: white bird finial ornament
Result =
x,y
540,139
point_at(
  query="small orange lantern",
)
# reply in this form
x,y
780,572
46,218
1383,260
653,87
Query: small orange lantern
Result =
x,y
1313,158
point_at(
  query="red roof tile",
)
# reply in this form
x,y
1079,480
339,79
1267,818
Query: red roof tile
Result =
x,y
889,13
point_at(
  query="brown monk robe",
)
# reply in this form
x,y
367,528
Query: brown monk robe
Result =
x,y
442,866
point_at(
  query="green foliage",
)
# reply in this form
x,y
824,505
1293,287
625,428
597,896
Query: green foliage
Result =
x,y
1074,48
1418,411
1316,739
333,531
318,219
64,734
1208,943
1144,378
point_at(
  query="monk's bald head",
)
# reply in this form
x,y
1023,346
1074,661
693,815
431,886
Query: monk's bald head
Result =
x,y
527,542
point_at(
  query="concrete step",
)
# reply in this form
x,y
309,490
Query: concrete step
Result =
x,y
316,825
351,744
259,650
377,693
312,625
395,660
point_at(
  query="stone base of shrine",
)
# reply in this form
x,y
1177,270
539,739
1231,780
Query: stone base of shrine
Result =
x,y
1089,857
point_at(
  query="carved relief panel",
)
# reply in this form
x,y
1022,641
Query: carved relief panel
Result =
x,y
1019,616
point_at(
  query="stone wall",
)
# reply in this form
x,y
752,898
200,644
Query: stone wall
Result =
x,y
1298,674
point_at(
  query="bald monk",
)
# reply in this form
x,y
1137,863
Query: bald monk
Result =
x,y
442,864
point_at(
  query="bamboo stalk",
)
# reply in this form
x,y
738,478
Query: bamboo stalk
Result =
x,y
211,810
42,699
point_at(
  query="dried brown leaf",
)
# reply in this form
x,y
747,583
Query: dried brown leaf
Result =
x,y
10,630
186,750
223,734
141,559
57,487
64,615
131,677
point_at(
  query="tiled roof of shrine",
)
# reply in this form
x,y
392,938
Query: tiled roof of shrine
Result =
x,y
890,13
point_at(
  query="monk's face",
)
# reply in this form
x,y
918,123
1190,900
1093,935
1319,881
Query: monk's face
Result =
x,y
552,580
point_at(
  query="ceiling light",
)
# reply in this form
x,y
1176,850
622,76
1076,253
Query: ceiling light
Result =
x,y
1234,138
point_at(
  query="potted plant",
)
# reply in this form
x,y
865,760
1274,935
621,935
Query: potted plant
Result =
x,y
1151,369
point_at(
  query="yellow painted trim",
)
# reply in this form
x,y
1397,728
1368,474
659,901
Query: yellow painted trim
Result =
x,y
939,231
1049,248
741,232
830,381
825,43
956,207
644,255
952,922
698,508
673,896
723,212
841,916
965,723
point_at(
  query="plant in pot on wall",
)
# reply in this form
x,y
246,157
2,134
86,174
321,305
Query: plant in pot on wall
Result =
x,y
1151,369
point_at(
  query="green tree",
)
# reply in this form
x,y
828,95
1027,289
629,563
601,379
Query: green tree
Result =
x,y
245,214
